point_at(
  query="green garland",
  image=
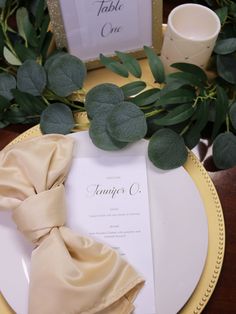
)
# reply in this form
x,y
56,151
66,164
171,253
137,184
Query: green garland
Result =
x,y
174,111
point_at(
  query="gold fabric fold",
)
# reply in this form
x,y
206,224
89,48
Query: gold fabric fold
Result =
x,y
70,273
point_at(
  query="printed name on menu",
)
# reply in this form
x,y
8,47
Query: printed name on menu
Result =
x,y
106,7
94,190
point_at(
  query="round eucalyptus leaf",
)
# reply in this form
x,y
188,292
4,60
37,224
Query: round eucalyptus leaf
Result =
x,y
232,114
7,83
31,78
105,93
102,97
127,123
96,108
101,137
57,118
66,74
2,3
52,58
224,150
225,46
226,67
167,150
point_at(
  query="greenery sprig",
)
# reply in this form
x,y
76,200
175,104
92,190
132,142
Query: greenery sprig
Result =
x,y
173,111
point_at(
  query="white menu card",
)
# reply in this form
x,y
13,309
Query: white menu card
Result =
x,y
108,199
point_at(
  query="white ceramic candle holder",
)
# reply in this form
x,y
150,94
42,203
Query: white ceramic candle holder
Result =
x,y
190,36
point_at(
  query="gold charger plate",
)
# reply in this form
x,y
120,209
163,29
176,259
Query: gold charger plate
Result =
x,y
216,227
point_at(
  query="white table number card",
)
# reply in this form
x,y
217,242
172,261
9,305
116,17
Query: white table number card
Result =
x,y
90,27
108,199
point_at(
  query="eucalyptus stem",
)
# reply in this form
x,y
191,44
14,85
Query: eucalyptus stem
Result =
x,y
153,113
185,129
227,123
8,42
62,99
45,100
4,69
10,70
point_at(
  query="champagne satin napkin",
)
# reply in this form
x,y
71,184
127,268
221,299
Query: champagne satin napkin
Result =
x,y
70,273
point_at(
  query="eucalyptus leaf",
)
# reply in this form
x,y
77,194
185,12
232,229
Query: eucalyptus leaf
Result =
x,y
192,138
45,45
184,78
151,124
28,103
7,83
130,63
44,31
232,9
105,93
202,113
114,66
39,12
101,137
225,46
57,118
232,114
24,53
221,109
167,150
127,123
174,84
224,150
94,108
179,96
10,57
192,69
147,97
52,58
133,88
1,41
66,75
226,66
15,115
222,14
34,6
4,104
155,64
177,115
25,28
193,134
31,78
3,124
102,97
2,3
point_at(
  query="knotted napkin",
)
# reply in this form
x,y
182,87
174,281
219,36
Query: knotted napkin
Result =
x,y
70,273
